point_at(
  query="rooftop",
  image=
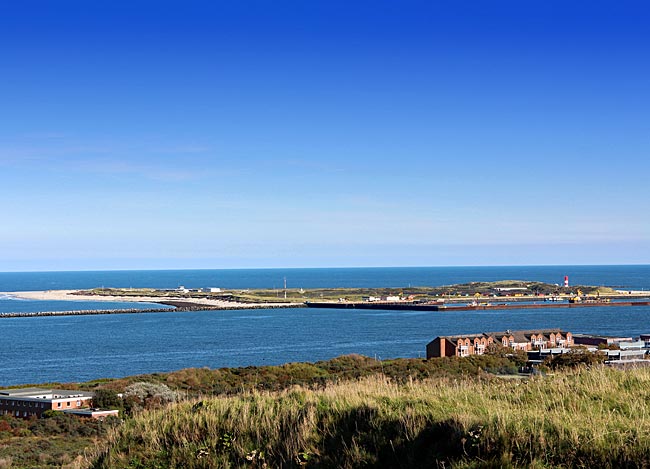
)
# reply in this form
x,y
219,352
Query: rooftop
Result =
x,y
43,393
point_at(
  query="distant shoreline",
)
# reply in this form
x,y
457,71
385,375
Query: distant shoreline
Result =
x,y
74,295
177,304
185,303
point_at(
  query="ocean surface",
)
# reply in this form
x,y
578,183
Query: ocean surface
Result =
x,y
79,348
626,276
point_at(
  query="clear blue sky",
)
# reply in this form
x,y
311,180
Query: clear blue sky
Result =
x,y
208,134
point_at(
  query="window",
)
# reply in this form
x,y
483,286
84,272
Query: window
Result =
x,y
67,404
58,404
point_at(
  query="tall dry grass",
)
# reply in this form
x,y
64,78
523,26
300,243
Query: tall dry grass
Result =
x,y
584,418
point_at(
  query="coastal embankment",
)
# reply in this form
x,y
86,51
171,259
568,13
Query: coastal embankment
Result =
x,y
177,307
408,306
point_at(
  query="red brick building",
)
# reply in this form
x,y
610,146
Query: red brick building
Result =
x,y
476,344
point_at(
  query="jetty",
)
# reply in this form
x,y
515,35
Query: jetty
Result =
x,y
415,306
175,307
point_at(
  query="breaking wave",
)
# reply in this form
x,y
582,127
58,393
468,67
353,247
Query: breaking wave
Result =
x,y
5,296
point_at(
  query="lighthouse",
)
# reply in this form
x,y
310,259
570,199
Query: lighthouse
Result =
x,y
566,281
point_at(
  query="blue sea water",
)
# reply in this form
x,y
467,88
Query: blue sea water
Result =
x,y
11,304
627,276
77,348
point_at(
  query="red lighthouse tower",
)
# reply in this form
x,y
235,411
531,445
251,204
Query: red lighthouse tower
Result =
x,y
566,281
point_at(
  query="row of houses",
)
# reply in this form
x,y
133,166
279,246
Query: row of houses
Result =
x,y
33,402
540,344
476,344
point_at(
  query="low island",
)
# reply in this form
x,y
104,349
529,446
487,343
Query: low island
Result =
x,y
505,294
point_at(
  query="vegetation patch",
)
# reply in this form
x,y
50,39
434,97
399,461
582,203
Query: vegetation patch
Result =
x,y
582,418
58,440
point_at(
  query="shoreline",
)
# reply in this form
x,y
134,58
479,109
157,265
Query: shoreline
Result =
x,y
179,303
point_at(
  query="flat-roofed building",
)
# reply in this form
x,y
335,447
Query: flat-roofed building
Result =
x,y
33,402
591,339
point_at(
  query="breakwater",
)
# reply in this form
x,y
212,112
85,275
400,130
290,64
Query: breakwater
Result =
x,y
407,306
176,306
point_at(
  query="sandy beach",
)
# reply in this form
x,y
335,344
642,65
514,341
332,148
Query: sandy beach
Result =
x,y
69,295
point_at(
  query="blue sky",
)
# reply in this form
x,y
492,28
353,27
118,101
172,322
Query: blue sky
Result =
x,y
295,134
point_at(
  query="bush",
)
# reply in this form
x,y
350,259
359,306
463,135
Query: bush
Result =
x,y
107,399
145,395
575,358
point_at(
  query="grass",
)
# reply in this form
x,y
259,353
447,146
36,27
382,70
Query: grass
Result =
x,y
52,452
581,418
194,382
58,441
64,439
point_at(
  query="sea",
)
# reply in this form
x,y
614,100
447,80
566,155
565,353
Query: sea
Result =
x,y
79,348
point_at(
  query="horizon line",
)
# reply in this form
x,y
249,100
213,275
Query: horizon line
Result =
x,y
323,268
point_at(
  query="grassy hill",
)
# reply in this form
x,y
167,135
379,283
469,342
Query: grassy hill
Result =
x,y
353,411
595,417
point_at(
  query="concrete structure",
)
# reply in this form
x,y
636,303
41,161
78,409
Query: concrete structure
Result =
x,y
626,355
537,357
633,354
476,344
646,339
32,402
595,340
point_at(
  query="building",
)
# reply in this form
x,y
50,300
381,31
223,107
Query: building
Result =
x,y
596,340
511,289
646,339
626,355
33,402
477,344
370,298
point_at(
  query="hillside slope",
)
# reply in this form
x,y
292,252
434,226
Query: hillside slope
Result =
x,y
586,418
